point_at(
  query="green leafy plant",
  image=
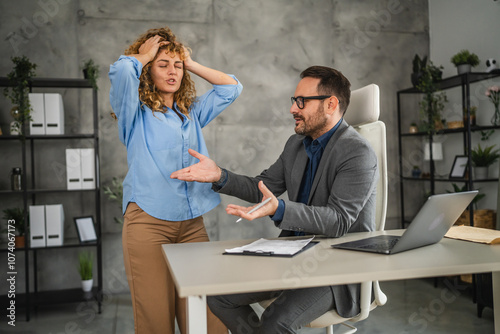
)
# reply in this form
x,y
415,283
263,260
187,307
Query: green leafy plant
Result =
x,y
485,135
91,72
484,157
18,89
422,67
85,265
465,57
433,101
419,63
16,214
115,193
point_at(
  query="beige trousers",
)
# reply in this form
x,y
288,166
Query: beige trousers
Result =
x,y
154,299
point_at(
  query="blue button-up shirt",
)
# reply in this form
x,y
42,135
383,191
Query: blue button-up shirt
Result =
x,y
157,145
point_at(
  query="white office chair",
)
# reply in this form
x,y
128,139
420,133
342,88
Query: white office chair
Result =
x,y
362,114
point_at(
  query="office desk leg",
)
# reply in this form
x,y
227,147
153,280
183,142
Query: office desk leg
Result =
x,y
496,300
197,315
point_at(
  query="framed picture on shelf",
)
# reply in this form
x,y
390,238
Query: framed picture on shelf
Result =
x,y
459,168
85,228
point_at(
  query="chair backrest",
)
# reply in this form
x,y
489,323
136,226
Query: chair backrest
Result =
x,y
362,114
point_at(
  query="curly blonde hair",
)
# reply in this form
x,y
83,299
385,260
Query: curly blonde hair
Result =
x,y
148,93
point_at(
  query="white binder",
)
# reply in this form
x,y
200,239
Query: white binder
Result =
x,y
37,226
37,123
54,114
54,223
87,156
73,169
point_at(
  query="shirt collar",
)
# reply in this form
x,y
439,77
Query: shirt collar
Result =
x,y
324,138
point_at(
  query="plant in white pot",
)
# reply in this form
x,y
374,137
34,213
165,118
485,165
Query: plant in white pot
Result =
x,y
482,159
85,270
464,61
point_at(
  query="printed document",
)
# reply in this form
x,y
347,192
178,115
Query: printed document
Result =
x,y
272,247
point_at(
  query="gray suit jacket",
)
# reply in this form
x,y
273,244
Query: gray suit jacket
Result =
x,y
342,197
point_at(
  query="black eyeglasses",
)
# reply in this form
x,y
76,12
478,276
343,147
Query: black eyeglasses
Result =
x,y
300,99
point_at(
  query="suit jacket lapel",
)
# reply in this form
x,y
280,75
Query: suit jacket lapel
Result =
x,y
326,156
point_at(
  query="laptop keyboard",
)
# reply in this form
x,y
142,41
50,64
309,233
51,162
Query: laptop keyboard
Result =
x,y
381,245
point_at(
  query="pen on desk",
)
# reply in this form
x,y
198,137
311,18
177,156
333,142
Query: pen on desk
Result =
x,y
257,207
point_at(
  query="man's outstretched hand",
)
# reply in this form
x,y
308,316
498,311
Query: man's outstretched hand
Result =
x,y
268,209
204,171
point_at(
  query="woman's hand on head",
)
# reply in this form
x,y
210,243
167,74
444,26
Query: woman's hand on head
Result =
x,y
188,62
150,47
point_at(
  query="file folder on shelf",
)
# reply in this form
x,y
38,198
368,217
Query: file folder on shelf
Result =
x,y
73,169
54,222
47,114
87,157
37,122
37,226
54,114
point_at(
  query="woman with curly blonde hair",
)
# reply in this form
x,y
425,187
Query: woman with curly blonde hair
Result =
x,y
159,119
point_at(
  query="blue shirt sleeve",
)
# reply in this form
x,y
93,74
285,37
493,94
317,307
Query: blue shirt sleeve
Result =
x,y
280,211
124,93
213,102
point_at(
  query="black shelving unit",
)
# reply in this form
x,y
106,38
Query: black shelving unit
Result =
x,y
36,298
463,81
482,288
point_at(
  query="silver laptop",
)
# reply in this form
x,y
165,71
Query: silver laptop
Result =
x,y
428,227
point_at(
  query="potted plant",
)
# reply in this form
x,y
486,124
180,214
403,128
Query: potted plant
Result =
x,y
18,92
85,270
413,128
418,64
421,67
472,120
91,72
464,61
433,101
482,159
15,217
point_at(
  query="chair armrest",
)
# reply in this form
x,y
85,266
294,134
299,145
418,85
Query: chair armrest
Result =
x,y
380,297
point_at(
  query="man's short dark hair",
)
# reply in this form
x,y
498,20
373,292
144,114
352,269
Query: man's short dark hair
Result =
x,y
332,82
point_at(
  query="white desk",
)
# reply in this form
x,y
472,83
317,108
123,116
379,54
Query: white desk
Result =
x,y
200,269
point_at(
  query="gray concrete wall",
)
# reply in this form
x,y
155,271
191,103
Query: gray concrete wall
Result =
x,y
266,44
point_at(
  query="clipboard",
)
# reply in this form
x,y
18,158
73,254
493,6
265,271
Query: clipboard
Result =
x,y
259,253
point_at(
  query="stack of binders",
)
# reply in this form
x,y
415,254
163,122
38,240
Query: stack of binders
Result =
x,y
46,225
47,115
80,168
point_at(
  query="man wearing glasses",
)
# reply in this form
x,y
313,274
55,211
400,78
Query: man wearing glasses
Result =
x,y
330,174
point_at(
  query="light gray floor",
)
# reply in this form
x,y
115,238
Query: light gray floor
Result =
x,y
414,306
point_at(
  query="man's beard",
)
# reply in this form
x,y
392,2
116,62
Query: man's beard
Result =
x,y
314,125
